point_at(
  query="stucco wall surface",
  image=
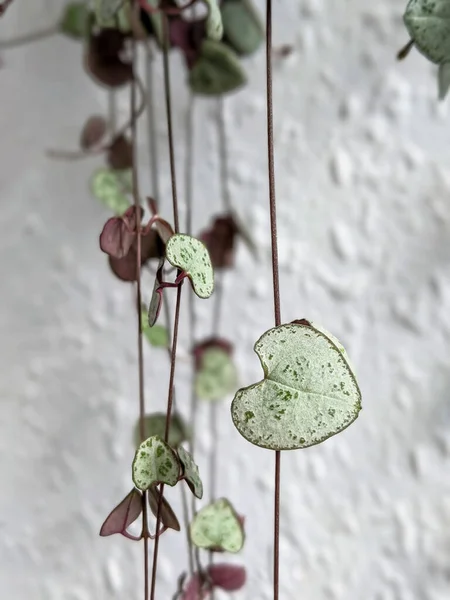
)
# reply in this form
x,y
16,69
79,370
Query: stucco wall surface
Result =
x,y
362,157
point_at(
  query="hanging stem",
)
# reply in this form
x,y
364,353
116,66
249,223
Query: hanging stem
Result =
x,y
168,97
179,290
135,184
151,117
275,277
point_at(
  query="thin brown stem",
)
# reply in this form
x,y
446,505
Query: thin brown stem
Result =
x,y
167,93
275,276
168,98
151,117
186,520
167,430
28,38
403,52
135,186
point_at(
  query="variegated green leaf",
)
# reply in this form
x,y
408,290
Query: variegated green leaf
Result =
x,y
190,255
109,186
217,70
428,24
242,26
190,471
155,462
217,375
217,527
155,424
308,393
214,26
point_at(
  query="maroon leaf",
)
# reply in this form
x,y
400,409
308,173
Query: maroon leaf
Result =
x,y
193,590
151,247
103,58
220,240
213,342
156,299
125,513
119,233
164,229
228,577
168,517
120,153
188,37
93,132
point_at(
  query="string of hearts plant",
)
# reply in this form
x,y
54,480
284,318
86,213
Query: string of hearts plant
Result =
x,y
308,392
428,24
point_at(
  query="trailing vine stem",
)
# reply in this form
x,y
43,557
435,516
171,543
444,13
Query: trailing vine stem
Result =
x,y
275,277
135,188
189,191
168,102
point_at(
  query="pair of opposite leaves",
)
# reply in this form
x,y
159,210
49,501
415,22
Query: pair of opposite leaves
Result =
x,y
428,24
216,526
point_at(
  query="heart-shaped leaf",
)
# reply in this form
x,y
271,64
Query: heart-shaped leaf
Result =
x,y
103,58
168,517
164,229
155,424
126,268
155,462
428,23
107,186
119,234
217,70
216,376
157,336
195,589
191,256
120,153
242,26
123,515
308,393
220,241
227,577
214,26
190,472
75,20
217,527
443,80
93,132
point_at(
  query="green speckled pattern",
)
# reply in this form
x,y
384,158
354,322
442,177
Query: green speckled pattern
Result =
x,y
155,462
217,526
105,10
428,24
107,186
217,376
191,473
214,26
309,392
190,255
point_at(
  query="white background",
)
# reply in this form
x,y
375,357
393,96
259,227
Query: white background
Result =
x,y
362,156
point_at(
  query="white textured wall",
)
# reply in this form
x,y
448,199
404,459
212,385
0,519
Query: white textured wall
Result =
x,y
363,155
